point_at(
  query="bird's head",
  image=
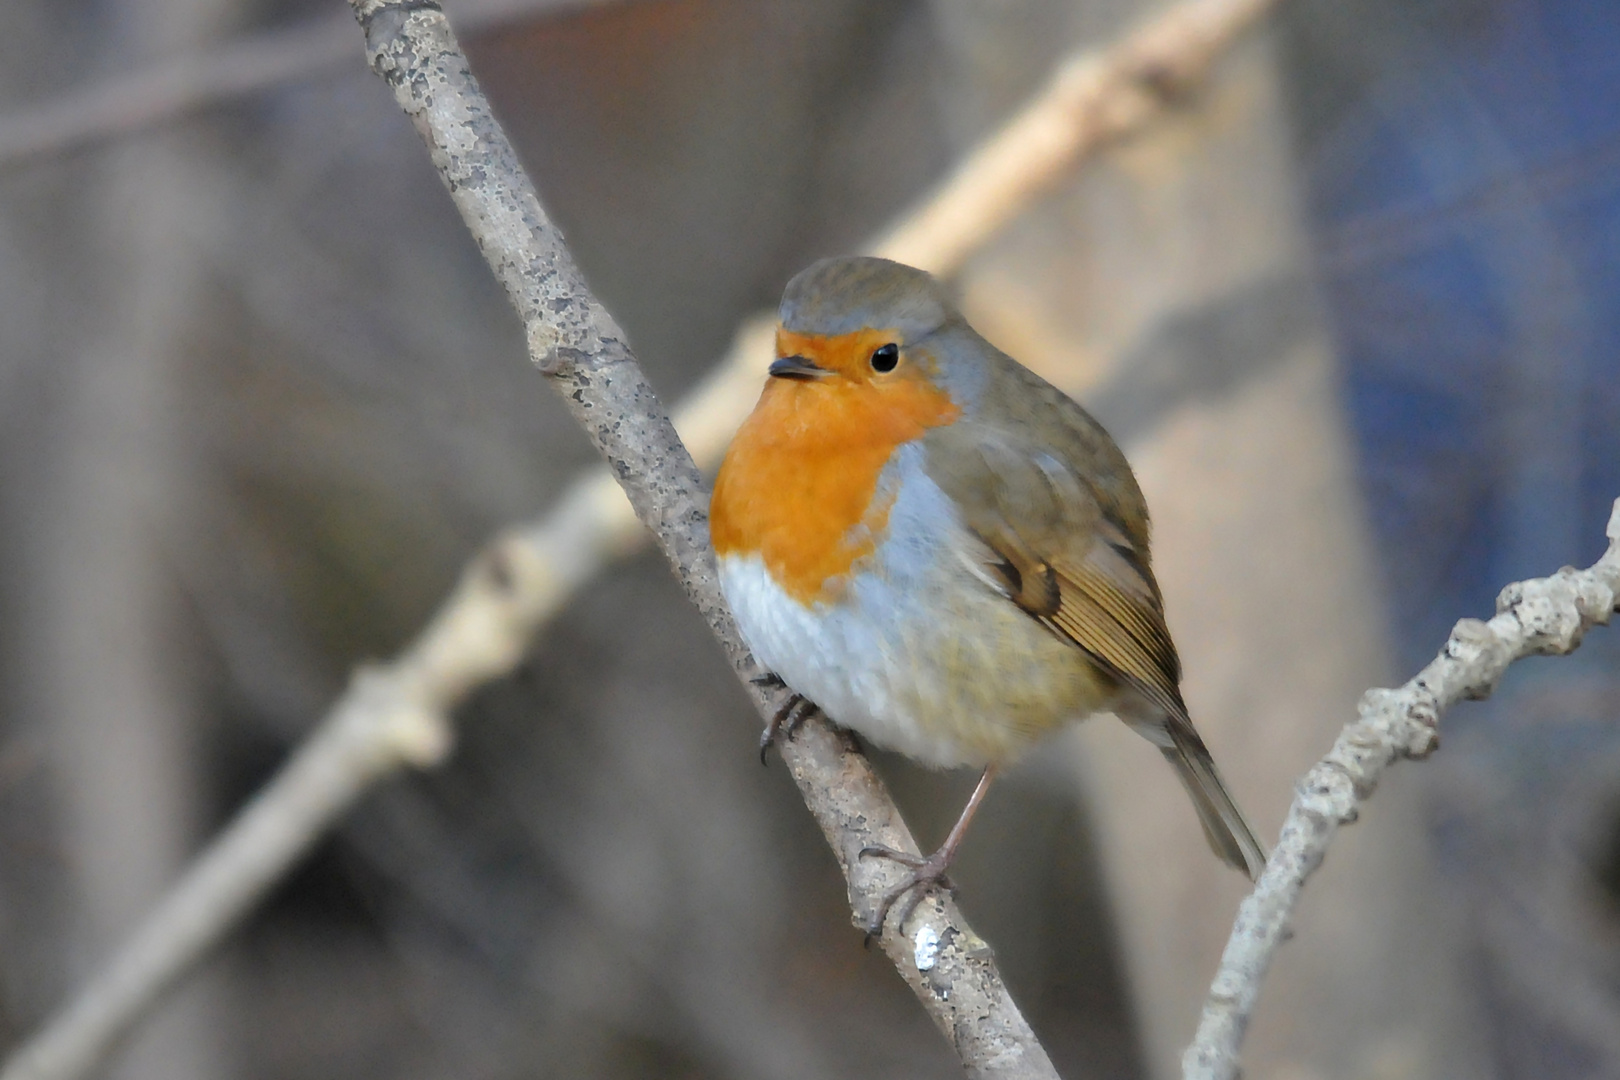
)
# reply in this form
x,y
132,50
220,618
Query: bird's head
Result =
x,y
866,322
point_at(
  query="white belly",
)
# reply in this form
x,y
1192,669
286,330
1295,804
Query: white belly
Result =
x,y
835,656
915,653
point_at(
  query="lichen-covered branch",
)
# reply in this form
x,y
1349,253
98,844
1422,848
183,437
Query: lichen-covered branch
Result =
x,y
1540,617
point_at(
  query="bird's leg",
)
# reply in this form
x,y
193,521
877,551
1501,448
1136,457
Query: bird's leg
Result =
x,y
787,719
926,870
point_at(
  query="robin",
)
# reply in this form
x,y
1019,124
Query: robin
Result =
x,y
942,551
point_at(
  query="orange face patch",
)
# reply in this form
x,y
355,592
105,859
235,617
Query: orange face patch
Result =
x,y
849,355
798,485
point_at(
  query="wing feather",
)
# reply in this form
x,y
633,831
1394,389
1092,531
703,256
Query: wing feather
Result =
x,y
1126,636
1073,560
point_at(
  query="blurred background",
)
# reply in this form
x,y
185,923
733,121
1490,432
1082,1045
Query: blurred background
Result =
x,y
1352,308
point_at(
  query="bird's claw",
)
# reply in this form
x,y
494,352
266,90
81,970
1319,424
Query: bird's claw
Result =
x,y
927,871
794,711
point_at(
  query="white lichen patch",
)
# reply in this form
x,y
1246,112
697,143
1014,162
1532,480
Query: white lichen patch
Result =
x,y
925,947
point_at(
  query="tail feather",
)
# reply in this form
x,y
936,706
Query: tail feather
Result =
x,y
1228,832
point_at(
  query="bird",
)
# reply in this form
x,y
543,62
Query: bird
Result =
x,y
943,552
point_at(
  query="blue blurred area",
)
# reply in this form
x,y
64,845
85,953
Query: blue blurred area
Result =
x,y
1462,165
1463,174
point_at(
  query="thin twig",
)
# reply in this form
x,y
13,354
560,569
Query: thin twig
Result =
x,y
171,88
1546,616
397,715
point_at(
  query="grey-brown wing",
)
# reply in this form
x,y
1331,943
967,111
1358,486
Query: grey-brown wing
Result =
x,y
1056,549
1044,538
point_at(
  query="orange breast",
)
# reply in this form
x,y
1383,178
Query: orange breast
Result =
x,y
798,486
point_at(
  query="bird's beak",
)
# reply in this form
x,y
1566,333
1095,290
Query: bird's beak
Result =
x,y
797,367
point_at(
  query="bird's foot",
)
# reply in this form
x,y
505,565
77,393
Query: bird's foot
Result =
x,y
927,872
794,711
769,680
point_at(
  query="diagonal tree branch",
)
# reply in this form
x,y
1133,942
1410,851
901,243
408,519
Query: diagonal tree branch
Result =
x,y
1546,616
397,715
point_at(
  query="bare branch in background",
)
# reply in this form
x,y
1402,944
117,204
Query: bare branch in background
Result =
x,y
397,715
173,88
1093,99
1545,616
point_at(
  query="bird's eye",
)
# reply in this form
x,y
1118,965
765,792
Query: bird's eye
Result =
x,y
885,358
